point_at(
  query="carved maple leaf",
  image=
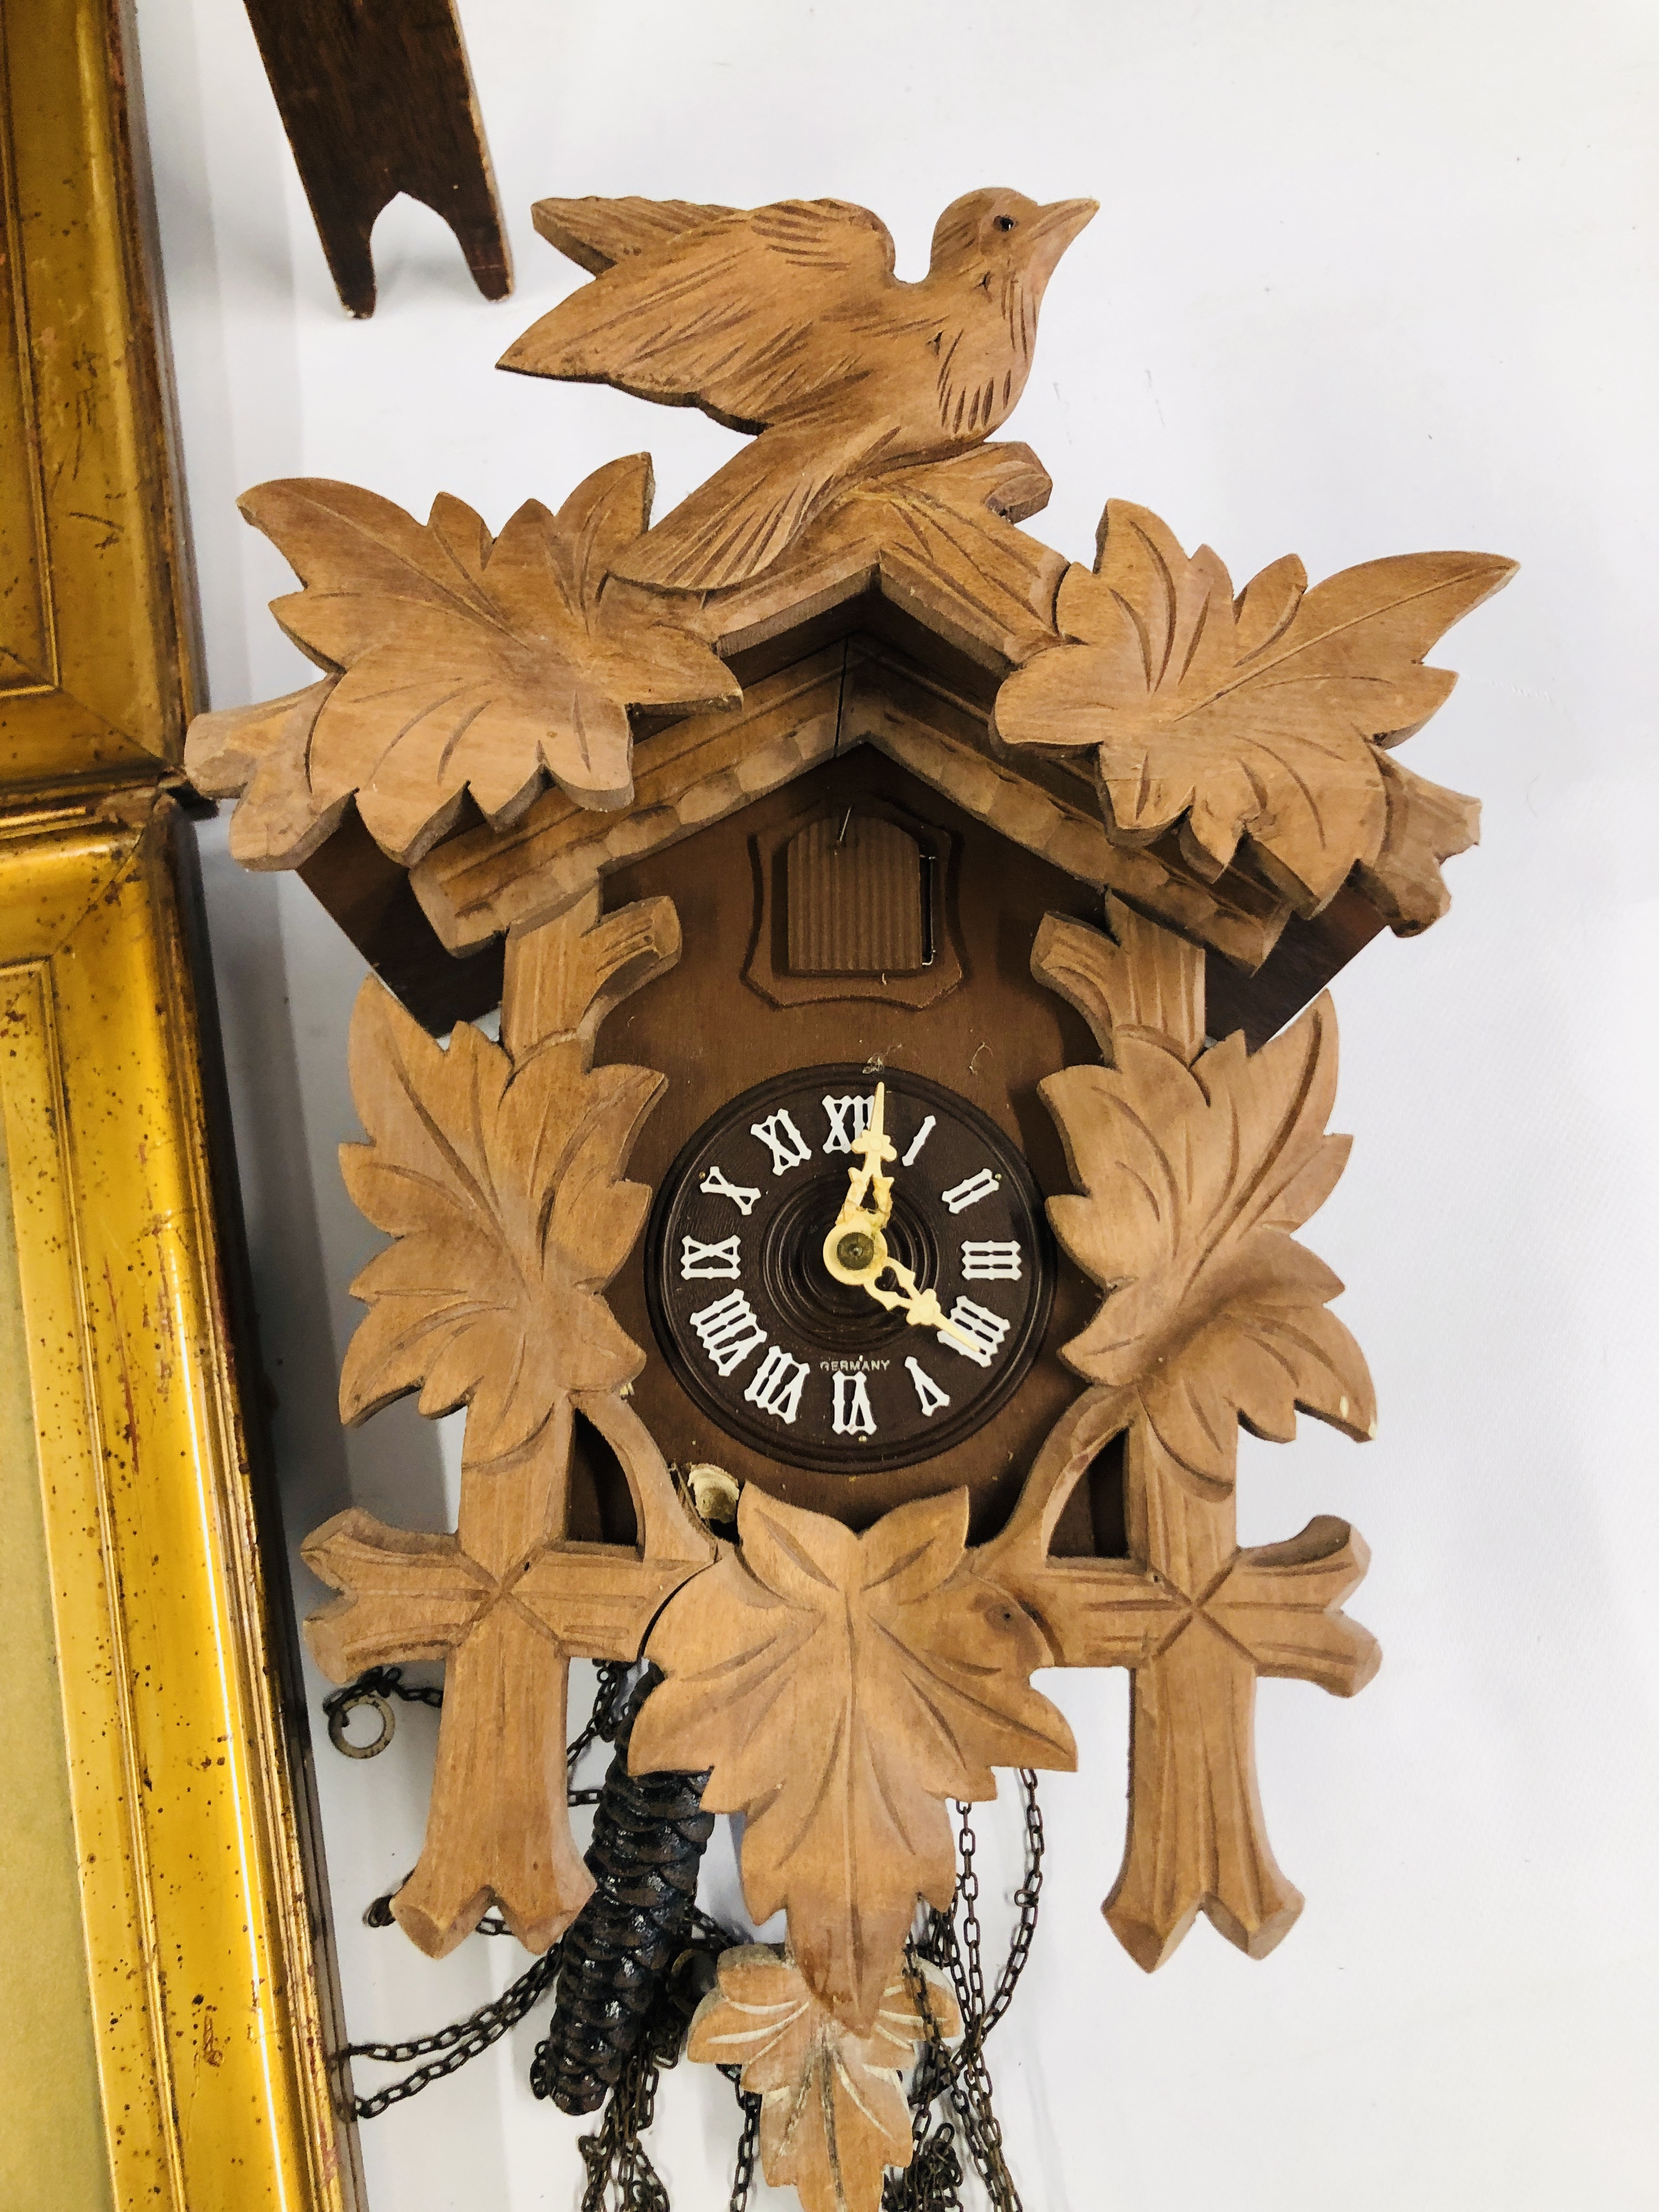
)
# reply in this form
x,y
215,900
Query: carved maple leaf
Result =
x,y
1262,717
840,1688
503,1187
470,663
1192,1178
832,2114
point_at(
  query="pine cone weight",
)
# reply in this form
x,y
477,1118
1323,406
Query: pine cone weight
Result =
x,y
649,1832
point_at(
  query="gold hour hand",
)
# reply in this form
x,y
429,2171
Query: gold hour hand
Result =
x,y
866,1180
855,1250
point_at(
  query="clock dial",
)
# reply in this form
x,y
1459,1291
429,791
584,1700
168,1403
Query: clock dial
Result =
x,y
827,1369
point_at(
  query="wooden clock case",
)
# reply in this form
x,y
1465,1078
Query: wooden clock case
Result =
x,y
869,667
571,771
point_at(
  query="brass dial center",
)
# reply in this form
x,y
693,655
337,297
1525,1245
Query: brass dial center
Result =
x,y
855,1251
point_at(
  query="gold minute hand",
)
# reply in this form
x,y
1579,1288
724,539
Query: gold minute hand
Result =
x,y
921,1308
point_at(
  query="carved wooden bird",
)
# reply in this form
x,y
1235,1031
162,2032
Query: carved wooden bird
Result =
x,y
788,321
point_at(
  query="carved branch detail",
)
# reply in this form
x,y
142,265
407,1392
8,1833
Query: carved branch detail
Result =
x,y
1140,981
498,1168
941,541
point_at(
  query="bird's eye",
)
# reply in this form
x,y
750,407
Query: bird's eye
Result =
x,y
1004,222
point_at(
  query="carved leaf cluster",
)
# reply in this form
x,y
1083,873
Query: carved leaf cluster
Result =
x,y
465,664
502,1188
1263,717
1193,1179
833,2114
840,1688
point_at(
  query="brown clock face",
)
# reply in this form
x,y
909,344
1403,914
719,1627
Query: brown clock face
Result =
x,y
799,1361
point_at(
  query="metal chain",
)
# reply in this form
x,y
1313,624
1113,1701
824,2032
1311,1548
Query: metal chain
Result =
x,y
464,2039
615,2158
959,2079
613,2154
1027,1898
743,2172
373,1688
601,1722
717,1939
450,2048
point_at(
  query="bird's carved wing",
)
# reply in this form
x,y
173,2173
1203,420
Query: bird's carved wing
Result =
x,y
745,316
595,232
751,511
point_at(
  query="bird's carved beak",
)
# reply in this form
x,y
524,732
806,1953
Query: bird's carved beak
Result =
x,y
1056,225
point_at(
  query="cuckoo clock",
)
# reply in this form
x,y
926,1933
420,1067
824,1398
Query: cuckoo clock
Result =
x,y
880,1209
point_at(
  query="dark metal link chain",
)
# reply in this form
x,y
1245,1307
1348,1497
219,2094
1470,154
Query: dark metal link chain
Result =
x,y
373,1688
957,2081
743,2172
464,2040
616,2160
450,2048
601,1723
960,2079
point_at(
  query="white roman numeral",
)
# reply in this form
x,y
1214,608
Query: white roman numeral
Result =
x,y
789,1148
929,1396
711,1262
989,1263
777,1383
853,1416
987,1330
918,1140
970,1193
840,1138
729,1331
739,1193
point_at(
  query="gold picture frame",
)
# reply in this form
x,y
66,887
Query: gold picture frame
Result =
x,y
204,2000
167,1977
96,663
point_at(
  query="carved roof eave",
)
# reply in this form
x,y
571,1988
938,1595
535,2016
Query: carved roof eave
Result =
x,y
902,643
861,690
1221,763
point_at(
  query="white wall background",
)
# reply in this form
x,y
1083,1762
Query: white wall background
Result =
x,y
1367,278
